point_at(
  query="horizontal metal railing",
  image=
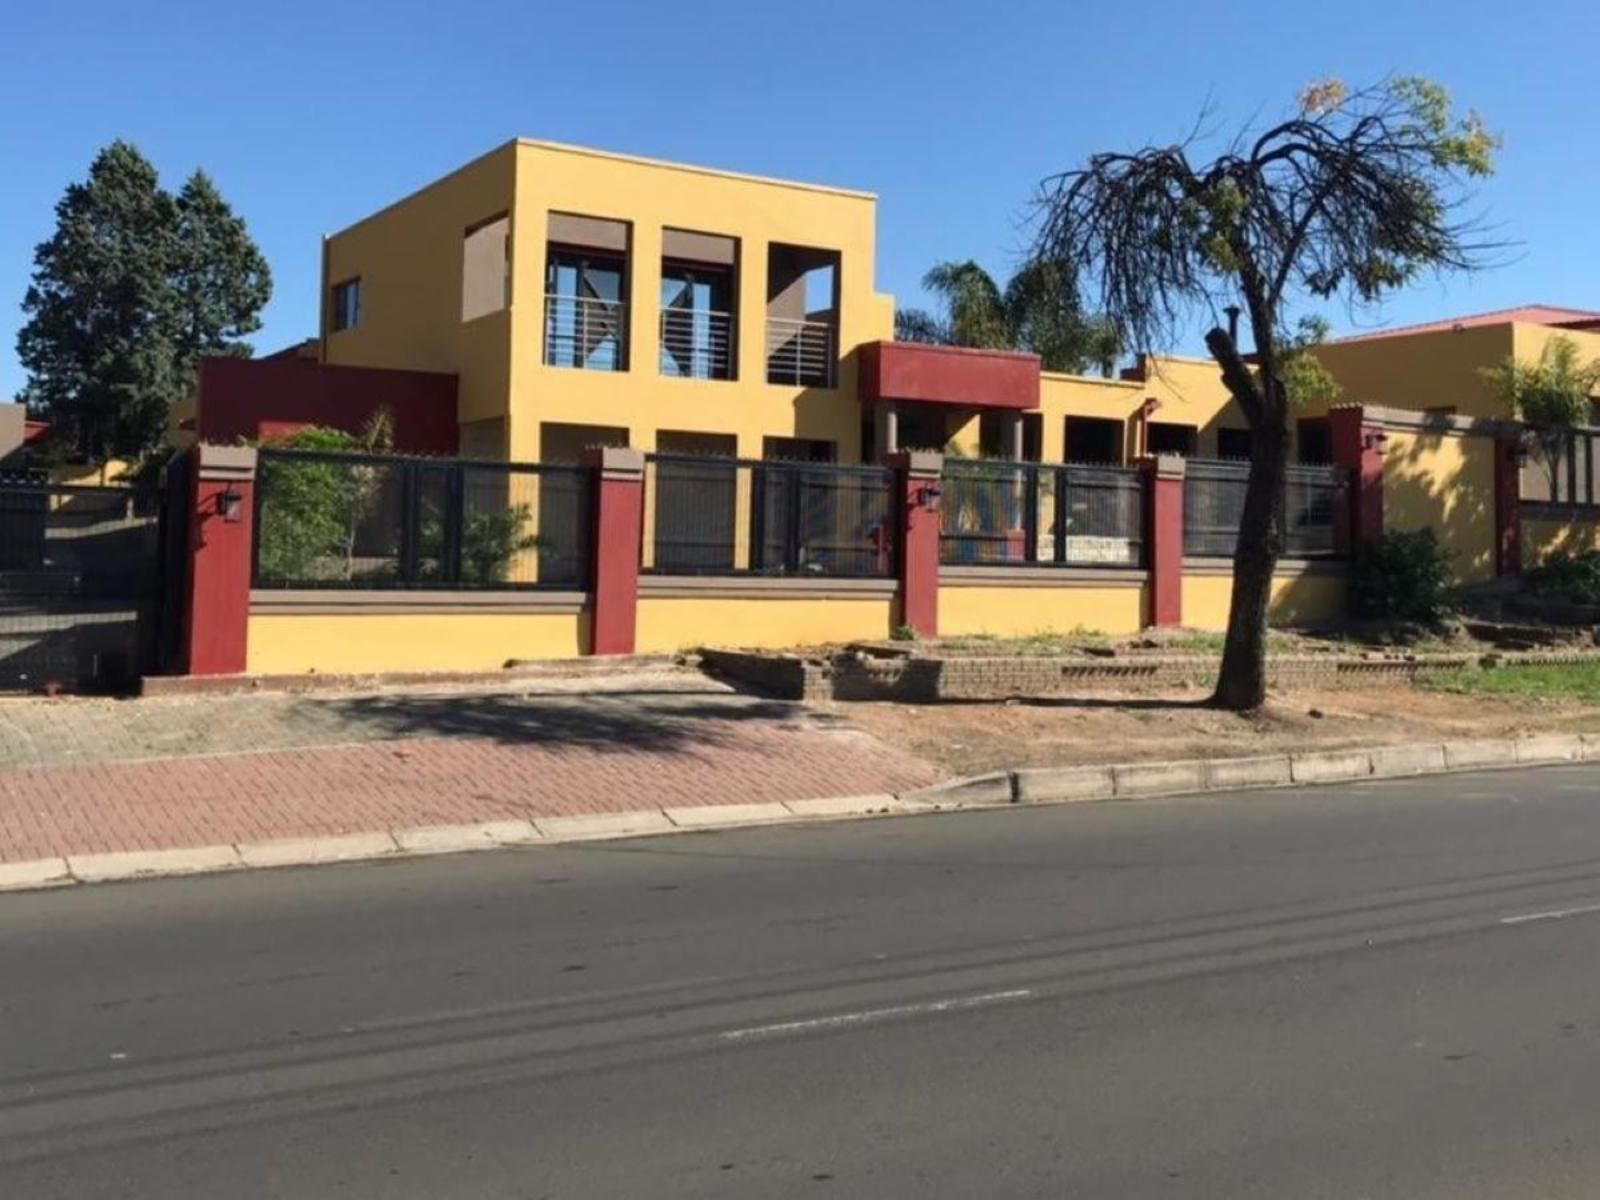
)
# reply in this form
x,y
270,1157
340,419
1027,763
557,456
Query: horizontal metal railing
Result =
x,y
333,520
725,516
1315,503
801,352
1003,512
696,343
586,332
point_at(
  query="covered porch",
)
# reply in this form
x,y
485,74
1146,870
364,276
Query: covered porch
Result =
x,y
922,397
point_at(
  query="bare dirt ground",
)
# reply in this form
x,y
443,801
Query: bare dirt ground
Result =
x,y
969,739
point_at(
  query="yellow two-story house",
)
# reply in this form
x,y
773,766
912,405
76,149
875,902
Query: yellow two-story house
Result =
x,y
587,298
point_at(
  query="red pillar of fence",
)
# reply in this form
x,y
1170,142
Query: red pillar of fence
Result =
x,y
618,536
1508,458
918,472
216,601
1163,515
1358,448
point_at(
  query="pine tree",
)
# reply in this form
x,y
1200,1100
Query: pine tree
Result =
x,y
131,289
220,278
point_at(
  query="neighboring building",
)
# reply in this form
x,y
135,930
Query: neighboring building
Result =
x,y
1438,367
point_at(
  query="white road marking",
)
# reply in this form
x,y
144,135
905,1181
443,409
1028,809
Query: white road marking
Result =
x,y
1554,914
841,1020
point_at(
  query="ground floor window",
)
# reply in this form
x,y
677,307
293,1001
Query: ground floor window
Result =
x,y
1093,440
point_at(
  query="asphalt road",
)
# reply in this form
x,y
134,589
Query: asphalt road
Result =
x,y
1386,990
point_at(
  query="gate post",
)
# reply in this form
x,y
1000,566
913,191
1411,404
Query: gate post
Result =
x,y
1508,458
918,472
1358,448
221,517
1163,515
618,542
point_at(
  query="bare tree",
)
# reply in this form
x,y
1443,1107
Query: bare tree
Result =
x,y
1352,196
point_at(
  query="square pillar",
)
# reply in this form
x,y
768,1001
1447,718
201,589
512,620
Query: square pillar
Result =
x,y
618,542
1358,448
216,600
918,472
1163,537
1509,455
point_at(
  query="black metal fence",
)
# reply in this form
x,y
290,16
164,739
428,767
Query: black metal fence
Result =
x,y
727,516
1024,513
335,520
79,583
1563,469
1213,505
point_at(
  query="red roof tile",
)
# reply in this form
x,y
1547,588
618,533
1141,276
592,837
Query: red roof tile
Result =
x,y
1528,314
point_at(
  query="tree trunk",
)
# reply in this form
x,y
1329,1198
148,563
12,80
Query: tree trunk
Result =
x,y
1242,682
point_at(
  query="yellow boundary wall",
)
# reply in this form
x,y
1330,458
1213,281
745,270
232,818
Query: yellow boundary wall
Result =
x,y
371,638
1016,602
1544,536
681,615
1300,595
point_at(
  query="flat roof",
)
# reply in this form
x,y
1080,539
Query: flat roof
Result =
x,y
695,169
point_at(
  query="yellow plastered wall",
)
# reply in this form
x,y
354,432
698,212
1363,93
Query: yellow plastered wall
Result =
x,y
1019,611
652,196
1529,342
409,259
1191,392
1444,482
1062,396
669,623
1420,370
1297,599
1543,538
361,643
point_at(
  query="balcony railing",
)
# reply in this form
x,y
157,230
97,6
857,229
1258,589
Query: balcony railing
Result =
x,y
585,332
696,343
800,352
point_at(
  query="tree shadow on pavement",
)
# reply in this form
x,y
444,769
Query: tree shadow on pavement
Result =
x,y
620,721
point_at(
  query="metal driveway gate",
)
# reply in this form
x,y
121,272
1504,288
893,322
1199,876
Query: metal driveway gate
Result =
x,y
80,584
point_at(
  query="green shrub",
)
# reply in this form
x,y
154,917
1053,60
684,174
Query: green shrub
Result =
x,y
1402,576
1571,577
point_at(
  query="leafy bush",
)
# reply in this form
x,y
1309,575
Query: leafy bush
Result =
x,y
490,540
307,519
1402,576
1572,577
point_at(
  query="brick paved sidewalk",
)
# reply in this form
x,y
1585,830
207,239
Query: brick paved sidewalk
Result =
x,y
274,767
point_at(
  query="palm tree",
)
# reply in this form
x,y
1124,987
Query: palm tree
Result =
x,y
1037,311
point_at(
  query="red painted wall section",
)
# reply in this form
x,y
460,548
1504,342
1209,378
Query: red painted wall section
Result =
x,y
1164,537
919,473
909,371
1358,447
216,607
618,535
251,399
1508,454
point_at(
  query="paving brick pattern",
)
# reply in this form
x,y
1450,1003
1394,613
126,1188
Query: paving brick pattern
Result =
x,y
82,777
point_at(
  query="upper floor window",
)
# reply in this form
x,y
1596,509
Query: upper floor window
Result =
x,y
586,293
486,268
346,305
802,315
699,297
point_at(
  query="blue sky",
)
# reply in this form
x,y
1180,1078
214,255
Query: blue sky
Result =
x,y
311,115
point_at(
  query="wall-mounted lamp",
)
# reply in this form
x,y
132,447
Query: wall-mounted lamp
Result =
x,y
230,505
928,496
1374,439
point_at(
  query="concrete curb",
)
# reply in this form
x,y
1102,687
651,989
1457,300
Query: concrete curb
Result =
x,y
1039,785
